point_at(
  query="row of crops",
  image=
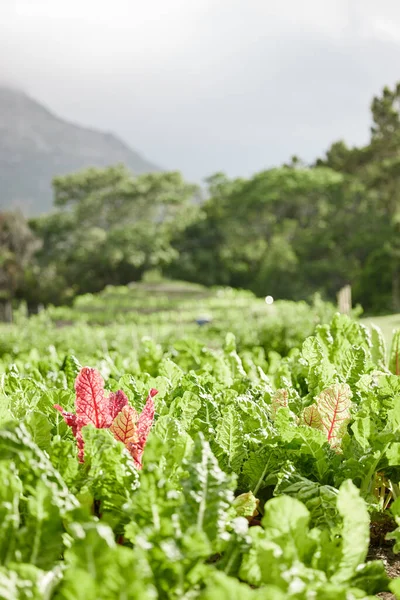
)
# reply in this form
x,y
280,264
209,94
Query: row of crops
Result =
x,y
254,457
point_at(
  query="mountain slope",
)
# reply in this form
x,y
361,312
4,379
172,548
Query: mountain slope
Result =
x,y
36,145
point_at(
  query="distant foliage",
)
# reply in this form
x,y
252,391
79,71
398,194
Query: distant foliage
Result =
x,y
289,232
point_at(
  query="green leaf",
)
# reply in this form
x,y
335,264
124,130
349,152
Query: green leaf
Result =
x,y
151,507
33,464
246,505
286,523
320,500
185,408
111,476
393,454
5,413
259,465
71,368
177,443
40,429
229,437
394,355
207,491
20,394
394,587
321,373
378,350
313,456
353,364
41,538
361,428
10,587
27,582
262,552
354,531
207,418
98,568
395,535
221,587
285,424
10,495
254,414
371,577
279,551
171,371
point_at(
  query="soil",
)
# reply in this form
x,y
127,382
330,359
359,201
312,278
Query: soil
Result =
x,y
381,549
391,562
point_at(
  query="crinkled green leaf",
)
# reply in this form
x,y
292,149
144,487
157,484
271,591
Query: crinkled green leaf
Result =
x,y
259,465
41,537
352,364
207,492
99,568
171,371
354,531
229,438
111,475
71,368
320,500
185,408
321,373
378,350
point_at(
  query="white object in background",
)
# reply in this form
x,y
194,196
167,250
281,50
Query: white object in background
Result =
x,y
269,299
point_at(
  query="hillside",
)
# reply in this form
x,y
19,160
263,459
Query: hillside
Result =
x,y
36,145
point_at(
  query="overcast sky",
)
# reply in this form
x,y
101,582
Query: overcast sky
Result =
x,y
207,85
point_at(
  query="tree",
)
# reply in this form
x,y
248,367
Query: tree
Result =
x,y
377,166
287,231
110,227
384,175
17,247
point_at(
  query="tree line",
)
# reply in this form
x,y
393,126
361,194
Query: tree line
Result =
x,y
289,231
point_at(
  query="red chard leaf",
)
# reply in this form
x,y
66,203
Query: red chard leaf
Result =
x,y
124,425
146,417
117,402
91,403
76,424
137,442
108,412
330,413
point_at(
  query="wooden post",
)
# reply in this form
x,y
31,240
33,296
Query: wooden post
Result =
x,y
344,300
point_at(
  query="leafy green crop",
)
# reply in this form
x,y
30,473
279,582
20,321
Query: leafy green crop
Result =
x,y
242,478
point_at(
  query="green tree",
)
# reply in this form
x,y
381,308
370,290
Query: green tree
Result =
x,y
17,247
377,166
288,232
110,227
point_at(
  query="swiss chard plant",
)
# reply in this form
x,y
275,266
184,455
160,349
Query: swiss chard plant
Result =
x,y
249,475
108,411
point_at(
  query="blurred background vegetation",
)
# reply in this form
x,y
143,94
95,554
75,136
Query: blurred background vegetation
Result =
x,y
291,231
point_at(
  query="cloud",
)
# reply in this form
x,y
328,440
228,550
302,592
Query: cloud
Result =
x,y
201,86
